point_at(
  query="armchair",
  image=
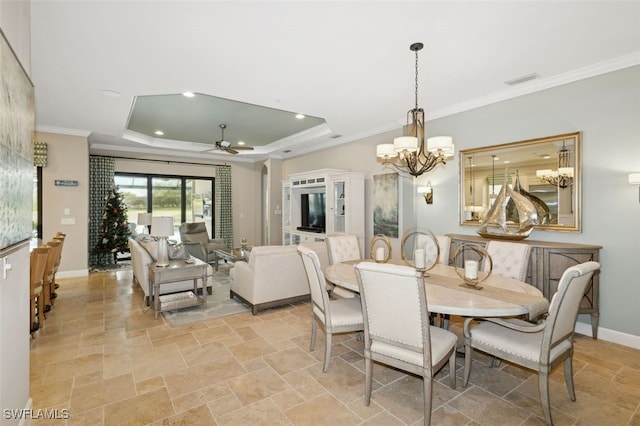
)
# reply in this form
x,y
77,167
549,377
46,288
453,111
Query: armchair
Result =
x,y
196,240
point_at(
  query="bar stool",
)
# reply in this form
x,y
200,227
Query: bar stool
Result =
x,y
38,264
60,236
50,272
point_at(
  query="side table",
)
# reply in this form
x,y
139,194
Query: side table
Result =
x,y
178,270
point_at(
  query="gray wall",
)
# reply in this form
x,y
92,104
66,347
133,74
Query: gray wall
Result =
x,y
605,109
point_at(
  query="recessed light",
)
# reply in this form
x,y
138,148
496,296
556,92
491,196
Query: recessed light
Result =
x,y
546,156
159,132
110,93
188,94
506,162
299,116
240,142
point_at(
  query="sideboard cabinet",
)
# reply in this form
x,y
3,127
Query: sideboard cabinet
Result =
x,y
548,261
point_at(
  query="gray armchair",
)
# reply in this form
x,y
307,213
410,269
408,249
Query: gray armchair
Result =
x,y
196,240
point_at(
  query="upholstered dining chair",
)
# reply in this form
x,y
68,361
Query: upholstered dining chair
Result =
x,y
540,346
343,248
397,330
510,260
336,316
431,251
195,238
37,266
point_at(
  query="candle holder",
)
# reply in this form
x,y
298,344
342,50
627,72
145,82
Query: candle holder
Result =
x,y
380,241
481,256
420,238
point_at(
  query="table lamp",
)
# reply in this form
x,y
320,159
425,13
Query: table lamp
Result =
x,y
162,227
145,220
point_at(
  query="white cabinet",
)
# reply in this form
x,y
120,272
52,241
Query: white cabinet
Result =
x,y
322,202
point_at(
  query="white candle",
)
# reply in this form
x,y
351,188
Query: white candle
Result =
x,y
418,257
471,269
380,253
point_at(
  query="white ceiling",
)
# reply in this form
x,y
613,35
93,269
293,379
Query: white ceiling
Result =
x,y
348,63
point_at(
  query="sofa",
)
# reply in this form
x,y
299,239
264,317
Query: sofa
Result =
x,y
144,251
273,276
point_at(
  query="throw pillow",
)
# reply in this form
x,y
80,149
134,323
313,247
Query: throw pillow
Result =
x,y
178,252
151,247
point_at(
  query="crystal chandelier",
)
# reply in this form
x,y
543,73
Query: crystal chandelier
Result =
x,y
563,177
407,153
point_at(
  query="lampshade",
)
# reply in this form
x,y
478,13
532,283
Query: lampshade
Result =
x,y
405,143
565,171
144,218
162,226
425,189
440,143
385,150
634,178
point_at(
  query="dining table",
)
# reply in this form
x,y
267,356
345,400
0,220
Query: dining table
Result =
x,y
447,293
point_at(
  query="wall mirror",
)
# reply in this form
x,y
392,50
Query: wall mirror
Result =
x,y
546,170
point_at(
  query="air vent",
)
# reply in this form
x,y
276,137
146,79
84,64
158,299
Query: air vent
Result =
x,y
335,136
522,79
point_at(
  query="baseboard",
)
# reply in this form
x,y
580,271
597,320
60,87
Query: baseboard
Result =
x,y
608,335
72,274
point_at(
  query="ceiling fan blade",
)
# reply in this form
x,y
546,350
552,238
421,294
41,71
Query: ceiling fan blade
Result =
x,y
231,150
246,148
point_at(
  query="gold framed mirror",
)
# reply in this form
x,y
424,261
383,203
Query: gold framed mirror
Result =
x,y
547,170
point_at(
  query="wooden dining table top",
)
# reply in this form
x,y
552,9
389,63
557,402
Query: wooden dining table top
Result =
x,y
447,294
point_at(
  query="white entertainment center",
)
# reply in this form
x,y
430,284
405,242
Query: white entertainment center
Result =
x,y
320,203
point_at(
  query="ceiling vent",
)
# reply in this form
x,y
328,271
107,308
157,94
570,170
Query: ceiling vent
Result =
x,y
522,79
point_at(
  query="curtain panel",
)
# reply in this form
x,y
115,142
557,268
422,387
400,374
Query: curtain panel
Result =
x,y
223,205
101,175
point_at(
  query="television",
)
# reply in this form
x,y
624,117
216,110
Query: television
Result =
x,y
312,212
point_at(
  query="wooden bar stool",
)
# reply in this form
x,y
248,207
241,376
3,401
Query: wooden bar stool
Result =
x,y
50,272
38,265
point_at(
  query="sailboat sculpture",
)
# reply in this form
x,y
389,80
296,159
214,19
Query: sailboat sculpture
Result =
x,y
495,224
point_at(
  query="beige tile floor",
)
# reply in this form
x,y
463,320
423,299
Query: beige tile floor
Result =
x,y
103,357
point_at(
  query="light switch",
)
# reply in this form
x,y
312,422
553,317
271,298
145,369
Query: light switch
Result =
x,y
68,221
67,212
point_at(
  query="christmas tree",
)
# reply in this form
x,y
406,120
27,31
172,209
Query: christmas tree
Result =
x,y
114,231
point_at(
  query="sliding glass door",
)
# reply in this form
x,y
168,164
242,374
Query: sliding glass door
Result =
x,y
186,199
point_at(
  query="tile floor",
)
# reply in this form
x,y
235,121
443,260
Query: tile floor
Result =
x,y
103,357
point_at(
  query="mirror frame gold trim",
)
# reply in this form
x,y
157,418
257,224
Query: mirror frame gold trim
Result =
x,y
577,179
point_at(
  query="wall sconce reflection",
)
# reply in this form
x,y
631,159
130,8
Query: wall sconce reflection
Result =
x,y
427,191
634,179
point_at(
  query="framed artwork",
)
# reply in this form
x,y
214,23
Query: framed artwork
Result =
x,y
385,205
17,124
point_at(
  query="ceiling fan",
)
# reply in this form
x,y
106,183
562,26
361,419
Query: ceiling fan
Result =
x,y
225,145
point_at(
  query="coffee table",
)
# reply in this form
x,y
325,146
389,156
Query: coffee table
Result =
x,y
232,254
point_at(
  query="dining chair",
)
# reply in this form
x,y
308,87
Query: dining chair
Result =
x,y
539,346
336,316
397,330
431,251
37,266
510,260
343,248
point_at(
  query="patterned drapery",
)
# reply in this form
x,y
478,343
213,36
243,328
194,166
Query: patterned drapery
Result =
x,y
101,174
223,205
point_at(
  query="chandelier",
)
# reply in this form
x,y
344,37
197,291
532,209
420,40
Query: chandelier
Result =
x,y
407,153
563,177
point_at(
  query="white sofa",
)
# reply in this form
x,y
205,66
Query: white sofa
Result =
x,y
141,257
273,276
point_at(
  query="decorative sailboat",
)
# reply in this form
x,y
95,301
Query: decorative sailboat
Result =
x,y
495,224
541,206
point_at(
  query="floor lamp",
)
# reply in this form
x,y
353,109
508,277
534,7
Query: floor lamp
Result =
x,y
162,227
